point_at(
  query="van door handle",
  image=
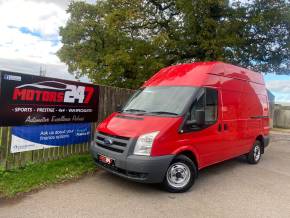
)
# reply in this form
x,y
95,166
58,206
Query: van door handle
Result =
x,y
226,127
220,127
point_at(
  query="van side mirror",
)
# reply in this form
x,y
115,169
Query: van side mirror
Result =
x,y
199,119
119,108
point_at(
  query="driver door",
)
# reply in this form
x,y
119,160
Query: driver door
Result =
x,y
208,140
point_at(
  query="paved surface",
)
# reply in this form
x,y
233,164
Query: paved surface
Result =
x,y
230,189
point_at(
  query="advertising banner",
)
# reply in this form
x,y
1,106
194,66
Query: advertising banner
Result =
x,y
28,138
28,99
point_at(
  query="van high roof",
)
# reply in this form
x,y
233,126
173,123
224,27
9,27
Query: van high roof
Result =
x,y
201,74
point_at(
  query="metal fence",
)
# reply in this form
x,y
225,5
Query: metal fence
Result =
x,y
281,117
109,98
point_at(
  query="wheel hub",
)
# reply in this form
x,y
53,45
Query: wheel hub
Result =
x,y
257,153
178,175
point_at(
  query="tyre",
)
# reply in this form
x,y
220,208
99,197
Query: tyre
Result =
x,y
180,175
255,154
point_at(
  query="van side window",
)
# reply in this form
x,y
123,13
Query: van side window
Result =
x,y
208,102
211,106
197,105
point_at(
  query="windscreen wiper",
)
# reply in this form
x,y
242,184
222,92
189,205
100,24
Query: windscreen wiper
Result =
x,y
163,112
134,110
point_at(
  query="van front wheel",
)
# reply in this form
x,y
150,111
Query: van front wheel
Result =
x,y
180,175
255,154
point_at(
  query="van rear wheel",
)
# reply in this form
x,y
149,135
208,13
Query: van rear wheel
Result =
x,y
255,154
180,175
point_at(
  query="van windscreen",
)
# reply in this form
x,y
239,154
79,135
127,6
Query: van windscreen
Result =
x,y
167,100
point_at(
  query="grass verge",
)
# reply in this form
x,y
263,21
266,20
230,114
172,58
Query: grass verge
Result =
x,y
35,176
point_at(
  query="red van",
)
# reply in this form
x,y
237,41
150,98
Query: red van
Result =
x,y
185,118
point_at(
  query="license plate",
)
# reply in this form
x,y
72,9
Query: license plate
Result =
x,y
106,160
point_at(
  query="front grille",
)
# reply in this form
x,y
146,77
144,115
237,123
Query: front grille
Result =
x,y
115,136
119,143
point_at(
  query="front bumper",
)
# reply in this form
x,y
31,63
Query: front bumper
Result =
x,y
133,167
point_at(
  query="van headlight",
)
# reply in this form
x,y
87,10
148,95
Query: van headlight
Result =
x,y
144,144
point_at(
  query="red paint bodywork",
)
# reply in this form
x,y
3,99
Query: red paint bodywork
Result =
x,y
242,96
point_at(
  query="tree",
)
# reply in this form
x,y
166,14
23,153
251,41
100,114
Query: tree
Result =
x,y
123,42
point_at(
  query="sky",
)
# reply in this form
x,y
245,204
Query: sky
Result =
x,y
279,85
30,38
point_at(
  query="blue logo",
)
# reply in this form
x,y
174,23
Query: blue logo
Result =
x,y
12,77
108,141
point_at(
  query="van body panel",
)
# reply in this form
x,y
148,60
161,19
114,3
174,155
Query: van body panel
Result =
x,y
242,116
181,75
132,126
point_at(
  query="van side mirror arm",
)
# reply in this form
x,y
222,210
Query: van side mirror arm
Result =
x,y
200,119
190,122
